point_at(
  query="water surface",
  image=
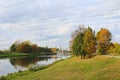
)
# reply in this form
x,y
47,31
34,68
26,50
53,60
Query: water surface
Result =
x,y
11,65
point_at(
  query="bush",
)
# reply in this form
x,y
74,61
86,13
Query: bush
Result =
x,y
3,78
1,52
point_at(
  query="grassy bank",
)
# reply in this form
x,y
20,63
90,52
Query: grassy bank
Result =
x,y
12,54
16,54
97,68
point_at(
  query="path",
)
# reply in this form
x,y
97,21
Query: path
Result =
x,y
112,56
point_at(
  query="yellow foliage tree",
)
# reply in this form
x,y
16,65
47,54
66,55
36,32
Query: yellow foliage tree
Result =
x,y
103,40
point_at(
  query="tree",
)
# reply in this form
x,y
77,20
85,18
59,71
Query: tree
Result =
x,y
24,48
115,48
77,42
35,48
13,48
89,42
81,29
28,47
77,47
21,46
103,40
54,50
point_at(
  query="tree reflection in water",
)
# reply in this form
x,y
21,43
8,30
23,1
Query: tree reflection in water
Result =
x,y
24,62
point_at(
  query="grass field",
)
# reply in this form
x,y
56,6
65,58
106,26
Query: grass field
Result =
x,y
97,68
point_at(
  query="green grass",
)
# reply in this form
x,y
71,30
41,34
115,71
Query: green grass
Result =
x,y
97,68
17,54
12,54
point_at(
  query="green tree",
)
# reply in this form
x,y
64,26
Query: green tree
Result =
x,y
81,29
77,47
89,42
77,42
13,48
103,40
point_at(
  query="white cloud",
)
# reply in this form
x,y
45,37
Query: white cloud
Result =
x,y
47,22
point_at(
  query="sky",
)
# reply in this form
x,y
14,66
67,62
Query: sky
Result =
x,y
51,22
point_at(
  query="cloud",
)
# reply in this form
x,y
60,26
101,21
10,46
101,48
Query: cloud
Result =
x,y
51,23
35,32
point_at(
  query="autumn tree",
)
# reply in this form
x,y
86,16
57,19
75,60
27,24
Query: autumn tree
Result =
x,y
35,48
24,48
28,47
81,29
89,42
115,48
77,42
103,40
54,50
21,46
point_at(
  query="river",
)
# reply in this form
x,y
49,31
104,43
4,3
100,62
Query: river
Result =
x,y
15,64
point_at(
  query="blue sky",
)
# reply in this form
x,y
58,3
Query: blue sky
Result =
x,y
51,22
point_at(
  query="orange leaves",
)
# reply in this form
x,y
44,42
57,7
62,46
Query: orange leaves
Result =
x,y
54,50
103,38
104,35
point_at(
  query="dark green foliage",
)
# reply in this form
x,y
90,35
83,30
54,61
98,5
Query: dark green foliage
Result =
x,y
77,47
77,42
13,48
44,49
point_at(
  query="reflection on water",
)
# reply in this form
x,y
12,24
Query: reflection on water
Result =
x,y
10,65
25,61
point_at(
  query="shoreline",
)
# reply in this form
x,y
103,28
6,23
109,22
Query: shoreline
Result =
x,y
8,55
30,70
79,68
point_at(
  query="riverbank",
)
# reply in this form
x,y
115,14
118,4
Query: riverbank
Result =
x,y
15,54
97,68
12,55
31,69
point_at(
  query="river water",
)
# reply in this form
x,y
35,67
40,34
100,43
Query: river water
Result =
x,y
15,64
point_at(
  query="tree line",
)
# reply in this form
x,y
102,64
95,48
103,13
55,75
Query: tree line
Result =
x,y
86,43
28,47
